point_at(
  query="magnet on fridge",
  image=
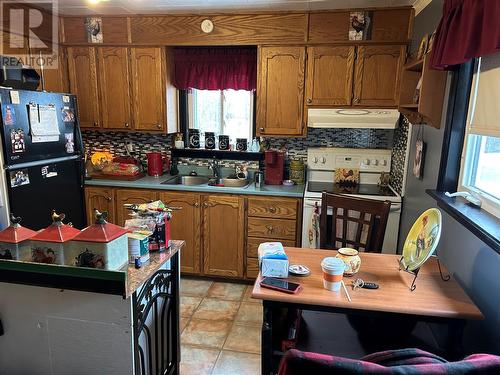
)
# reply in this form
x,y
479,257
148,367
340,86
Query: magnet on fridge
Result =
x,y
70,143
65,99
19,178
14,97
8,114
68,115
17,141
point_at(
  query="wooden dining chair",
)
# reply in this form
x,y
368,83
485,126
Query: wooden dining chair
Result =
x,y
354,222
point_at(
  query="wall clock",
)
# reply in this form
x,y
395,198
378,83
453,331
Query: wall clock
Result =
x,y
207,26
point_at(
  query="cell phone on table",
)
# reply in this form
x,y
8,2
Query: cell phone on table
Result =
x,y
280,285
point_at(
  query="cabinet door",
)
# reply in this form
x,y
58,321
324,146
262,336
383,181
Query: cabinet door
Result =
x,y
114,87
329,75
185,225
101,198
377,75
56,79
148,88
223,235
124,196
280,91
83,83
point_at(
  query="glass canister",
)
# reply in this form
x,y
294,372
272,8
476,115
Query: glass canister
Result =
x,y
223,142
194,138
209,140
297,171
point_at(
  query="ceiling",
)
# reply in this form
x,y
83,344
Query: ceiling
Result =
x,y
114,7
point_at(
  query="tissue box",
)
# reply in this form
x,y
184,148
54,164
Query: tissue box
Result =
x,y
273,261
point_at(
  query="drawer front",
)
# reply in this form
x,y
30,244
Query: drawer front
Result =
x,y
273,208
271,228
252,268
253,244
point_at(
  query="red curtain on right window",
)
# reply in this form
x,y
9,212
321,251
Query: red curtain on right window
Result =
x,y
468,29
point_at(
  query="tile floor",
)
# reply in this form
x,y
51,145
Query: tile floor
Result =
x,y
220,328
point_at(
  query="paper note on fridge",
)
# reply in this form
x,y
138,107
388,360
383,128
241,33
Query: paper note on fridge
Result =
x,y
44,123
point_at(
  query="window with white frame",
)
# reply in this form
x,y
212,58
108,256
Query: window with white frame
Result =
x,y
480,172
228,112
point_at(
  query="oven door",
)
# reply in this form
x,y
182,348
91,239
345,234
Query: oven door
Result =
x,y
311,222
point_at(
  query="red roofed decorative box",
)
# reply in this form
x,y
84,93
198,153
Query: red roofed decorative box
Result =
x,y
14,241
101,245
48,245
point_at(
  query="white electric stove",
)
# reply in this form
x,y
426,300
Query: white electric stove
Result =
x,y
321,165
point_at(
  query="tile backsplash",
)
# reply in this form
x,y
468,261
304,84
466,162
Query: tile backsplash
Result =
x,y
142,143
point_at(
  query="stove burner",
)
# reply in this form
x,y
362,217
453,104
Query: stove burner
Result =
x,y
360,189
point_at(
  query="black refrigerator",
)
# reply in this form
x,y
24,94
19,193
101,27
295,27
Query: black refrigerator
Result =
x,y
43,162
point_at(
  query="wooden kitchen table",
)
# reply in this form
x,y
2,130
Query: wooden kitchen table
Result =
x,y
432,300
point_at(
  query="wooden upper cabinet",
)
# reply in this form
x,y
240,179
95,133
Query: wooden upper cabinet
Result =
x,y
280,91
114,87
131,196
101,198
56,79
148,88
83,83
377,75
329,75
223,235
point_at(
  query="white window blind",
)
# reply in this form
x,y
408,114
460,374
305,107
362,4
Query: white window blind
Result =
x,y
484,108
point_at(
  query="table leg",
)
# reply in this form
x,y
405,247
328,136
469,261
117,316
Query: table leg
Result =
x,y
454,340
267,339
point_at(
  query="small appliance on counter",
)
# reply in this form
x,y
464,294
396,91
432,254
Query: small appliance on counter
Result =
x,y
101,245
275,166
155,164
14,241
48,245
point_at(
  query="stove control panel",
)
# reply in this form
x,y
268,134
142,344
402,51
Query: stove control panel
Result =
x,y
331,158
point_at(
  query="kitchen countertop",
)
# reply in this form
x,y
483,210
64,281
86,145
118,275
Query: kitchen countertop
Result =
x,y
148,182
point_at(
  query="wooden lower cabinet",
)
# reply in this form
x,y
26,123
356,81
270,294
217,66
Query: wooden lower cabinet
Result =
x,y
102,198
223,235
185,225
131,196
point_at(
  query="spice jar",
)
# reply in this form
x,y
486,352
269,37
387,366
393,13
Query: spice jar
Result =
x,y
297,171
194,138
241,144
223,142
210,140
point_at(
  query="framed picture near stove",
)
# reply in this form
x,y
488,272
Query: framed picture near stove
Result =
x,y
418,163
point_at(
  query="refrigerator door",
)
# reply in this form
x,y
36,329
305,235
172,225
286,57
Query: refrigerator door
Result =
x,y
27,114
34,189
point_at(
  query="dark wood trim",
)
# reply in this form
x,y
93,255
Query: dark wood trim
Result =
x,y
454,133
482,224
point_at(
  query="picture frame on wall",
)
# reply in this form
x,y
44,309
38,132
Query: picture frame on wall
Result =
x,y
418,162
93,28
360,25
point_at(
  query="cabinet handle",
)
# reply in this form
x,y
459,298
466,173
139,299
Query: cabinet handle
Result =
x,y
272,210
96,124
197,204
261,129
356,100
309,101
108,199
126,125
270,228
158,126
205,204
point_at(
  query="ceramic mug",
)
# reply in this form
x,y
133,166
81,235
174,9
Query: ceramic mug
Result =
x,y
351,259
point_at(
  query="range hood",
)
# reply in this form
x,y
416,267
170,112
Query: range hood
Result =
x,y
366,118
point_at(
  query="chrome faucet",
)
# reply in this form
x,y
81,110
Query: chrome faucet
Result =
x,y
214,166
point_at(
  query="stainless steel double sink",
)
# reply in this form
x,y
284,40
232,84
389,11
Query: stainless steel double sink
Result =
x,y
200,180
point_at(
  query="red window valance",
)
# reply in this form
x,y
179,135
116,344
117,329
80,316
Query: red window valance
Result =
x,y
468,29
216,68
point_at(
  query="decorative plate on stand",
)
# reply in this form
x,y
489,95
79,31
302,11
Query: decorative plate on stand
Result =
x,y
422,239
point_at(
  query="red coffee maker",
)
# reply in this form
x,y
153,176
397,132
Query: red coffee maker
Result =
x,y
275,166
